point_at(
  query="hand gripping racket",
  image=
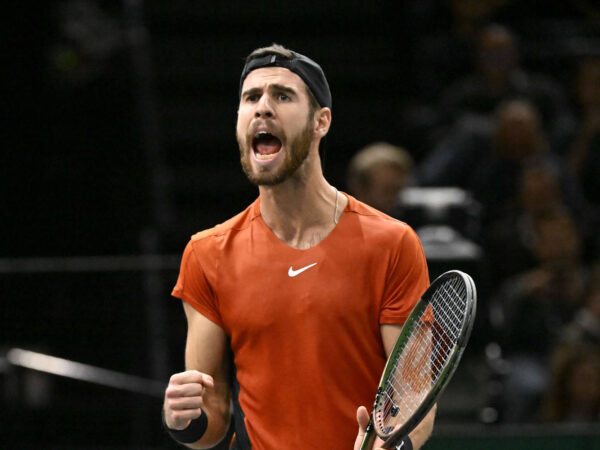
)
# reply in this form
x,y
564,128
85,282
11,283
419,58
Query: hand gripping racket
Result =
x,y
424,358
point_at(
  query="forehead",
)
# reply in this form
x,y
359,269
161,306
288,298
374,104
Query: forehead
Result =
x,y
265,76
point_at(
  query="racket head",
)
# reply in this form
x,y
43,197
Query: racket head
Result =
x,y
425,355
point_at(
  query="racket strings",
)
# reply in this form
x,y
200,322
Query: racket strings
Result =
x,y
425,355
400,400
448,321
452,318
408,383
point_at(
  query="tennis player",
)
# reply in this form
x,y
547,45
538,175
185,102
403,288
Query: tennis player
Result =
x,y
294,304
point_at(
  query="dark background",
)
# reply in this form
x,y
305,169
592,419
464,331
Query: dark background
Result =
x,y
119,140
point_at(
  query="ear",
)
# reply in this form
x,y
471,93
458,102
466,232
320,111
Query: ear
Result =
x,y
322,120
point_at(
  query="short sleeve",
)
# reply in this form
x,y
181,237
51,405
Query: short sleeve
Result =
x,y
407,279
193,283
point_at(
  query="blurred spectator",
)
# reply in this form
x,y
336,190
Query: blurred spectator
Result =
x,y
454,158
444,39
509,241
574,392
378,173
448,36
487,158
585,326
518,140
499,76
480,147
532,307
583,153
554,287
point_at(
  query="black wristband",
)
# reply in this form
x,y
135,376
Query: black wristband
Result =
x,y
193,432
407,444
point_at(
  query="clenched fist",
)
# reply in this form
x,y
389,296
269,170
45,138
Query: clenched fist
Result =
x,y
184,398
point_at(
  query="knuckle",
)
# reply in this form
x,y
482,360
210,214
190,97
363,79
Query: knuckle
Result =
x,y
171,392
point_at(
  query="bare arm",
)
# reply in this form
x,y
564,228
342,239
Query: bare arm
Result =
x,y
205,383
389,335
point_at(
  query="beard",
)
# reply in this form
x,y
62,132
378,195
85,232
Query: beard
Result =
x,y
296,153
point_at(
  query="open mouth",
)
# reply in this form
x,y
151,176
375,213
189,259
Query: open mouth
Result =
x,y
265,146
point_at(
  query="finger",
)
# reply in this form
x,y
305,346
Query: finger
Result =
x,y
192,376
178,420
185,390
186,414
362,416
183,403
207,380
189,383
361,431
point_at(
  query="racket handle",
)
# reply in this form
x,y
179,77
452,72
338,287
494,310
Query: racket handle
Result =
x,y
368,438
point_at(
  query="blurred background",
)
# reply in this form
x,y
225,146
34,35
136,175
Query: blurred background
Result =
x,y
475,121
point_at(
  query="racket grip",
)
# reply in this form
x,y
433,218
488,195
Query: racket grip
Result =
x,y
368,438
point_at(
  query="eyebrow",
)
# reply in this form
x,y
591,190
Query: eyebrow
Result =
x,y
272,87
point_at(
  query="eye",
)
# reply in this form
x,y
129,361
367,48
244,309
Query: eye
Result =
x,y
252,98
284,97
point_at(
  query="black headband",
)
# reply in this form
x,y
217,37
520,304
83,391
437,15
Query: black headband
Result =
x,y
310,72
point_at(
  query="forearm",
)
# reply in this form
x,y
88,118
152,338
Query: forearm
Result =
x,y
423,431
207,351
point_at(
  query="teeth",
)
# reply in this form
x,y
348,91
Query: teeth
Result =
x,y
261,133
265,157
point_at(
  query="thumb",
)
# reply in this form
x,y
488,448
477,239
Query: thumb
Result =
x,y
362,416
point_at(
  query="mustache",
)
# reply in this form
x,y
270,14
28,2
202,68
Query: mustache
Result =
x,y
264,125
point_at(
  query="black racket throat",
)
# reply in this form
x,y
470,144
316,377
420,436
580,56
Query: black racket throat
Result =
x,y
424,358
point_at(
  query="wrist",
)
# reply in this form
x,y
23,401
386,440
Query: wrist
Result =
x,y
192,433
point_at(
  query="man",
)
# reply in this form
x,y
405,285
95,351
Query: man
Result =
x,y
499,76
378,173
297,300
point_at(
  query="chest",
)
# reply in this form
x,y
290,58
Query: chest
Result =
x,y
270,290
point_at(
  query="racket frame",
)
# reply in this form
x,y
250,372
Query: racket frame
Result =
x,y
445,376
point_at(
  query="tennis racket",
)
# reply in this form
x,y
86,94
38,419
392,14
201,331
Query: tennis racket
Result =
x,y
424,358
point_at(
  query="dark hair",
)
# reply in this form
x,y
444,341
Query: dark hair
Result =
x,y
273,49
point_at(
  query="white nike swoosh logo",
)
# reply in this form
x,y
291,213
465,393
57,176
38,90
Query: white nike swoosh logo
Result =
x,y
292,273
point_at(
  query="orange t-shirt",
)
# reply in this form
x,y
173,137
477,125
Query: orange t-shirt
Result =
x,y
304,325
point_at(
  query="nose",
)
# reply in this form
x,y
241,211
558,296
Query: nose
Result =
x,y
264,107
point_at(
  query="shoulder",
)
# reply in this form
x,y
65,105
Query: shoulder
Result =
x,y
373,219
376,227
222,231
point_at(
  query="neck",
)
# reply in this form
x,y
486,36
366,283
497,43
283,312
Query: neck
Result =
x,y
301,211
